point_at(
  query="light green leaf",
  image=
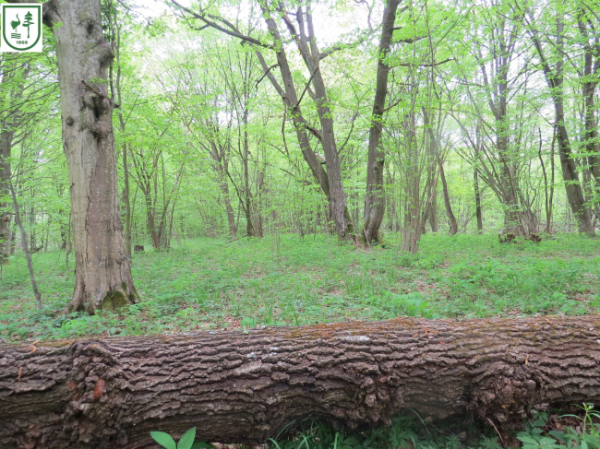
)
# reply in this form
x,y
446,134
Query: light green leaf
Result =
x,y
164,439
187,439
527,440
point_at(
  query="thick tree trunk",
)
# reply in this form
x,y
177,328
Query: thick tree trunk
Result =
x,y
103,272
375,196
247,386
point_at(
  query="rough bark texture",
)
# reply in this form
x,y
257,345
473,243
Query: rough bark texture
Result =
x,y
103,272
246,386
375,196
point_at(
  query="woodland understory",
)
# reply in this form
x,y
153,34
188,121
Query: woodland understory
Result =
x,y
305,223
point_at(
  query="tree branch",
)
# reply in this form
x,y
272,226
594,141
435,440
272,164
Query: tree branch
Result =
x,y
231,32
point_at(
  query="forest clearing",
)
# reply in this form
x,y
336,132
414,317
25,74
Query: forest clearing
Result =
x,y
299,224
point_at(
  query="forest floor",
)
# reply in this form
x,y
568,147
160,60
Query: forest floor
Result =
x,y
213,284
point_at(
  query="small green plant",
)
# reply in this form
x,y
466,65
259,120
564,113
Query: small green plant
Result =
x,y
590,431
589,438
186,441
412,304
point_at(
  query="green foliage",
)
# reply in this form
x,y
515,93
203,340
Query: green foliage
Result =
x,y
412,432
211,284
589,437
187,440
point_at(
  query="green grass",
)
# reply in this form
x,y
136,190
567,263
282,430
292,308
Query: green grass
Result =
x,y
212,284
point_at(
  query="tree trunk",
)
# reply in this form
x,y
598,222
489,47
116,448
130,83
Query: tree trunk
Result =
x,y
26,251
452,223
247,386
230,214
5,174
433,213
554,79
375,197
589,82
126,201
329,180
115,83
150,223
103,272
569,170
477,202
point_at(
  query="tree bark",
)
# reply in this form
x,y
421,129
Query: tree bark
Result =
x,y
247,386
433,213
589,83
478,213
5,174
375,196
330,180
115,80
224,184
452,223
103,272
26,251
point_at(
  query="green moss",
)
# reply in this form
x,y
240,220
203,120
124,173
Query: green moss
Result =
x,y
114,300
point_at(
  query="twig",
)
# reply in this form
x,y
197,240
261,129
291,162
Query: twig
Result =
x,y
306,88
266,73
496,429
239,238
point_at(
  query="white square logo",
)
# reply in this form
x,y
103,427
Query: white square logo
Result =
x,y
21,27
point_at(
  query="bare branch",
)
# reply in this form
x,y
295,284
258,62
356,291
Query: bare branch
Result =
x,y
266,73
340,46
434,64
231,30
306,88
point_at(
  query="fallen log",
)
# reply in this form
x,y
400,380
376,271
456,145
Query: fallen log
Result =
x,y
247,386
